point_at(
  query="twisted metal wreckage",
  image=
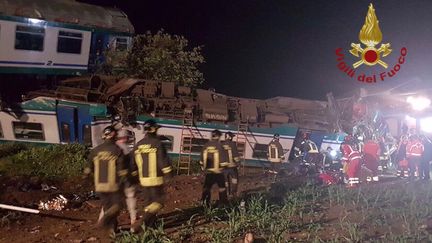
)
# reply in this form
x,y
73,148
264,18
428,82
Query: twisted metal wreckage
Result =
x,y
364,115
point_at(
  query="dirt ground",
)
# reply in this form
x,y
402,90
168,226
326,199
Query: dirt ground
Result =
x,y
183,192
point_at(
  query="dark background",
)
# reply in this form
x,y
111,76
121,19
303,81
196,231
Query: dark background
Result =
x,y
261,49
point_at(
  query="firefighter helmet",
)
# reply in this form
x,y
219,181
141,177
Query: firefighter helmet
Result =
x,y
151,126
216,134
277,136
229,135
108,132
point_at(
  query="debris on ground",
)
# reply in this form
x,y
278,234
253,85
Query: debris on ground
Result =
x,y
58,203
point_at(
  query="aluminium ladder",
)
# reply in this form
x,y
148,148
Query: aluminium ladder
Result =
x,y
185,155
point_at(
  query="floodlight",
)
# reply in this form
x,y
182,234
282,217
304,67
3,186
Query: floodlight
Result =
x,y
419,103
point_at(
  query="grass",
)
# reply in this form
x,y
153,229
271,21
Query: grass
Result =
x,y
383,213
54,161
386,212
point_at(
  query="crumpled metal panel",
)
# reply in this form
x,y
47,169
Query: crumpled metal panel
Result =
x,y
69,12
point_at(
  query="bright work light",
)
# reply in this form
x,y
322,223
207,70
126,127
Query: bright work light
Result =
x,y
419,103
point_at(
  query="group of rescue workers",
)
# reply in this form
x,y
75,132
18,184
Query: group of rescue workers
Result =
x,y
413,157
117,169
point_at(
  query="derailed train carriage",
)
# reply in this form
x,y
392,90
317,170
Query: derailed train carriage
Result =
x,y
58,37
48,120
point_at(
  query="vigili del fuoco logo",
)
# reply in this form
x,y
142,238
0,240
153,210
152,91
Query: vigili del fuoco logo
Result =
x,y
369,54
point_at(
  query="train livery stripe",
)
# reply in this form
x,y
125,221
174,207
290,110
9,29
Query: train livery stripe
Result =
x,y
31,112
204,129
69,65
22,62
43,64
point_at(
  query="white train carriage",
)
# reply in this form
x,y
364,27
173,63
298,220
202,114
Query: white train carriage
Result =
x,y
61,38
52,121
37,45
255,147
49,121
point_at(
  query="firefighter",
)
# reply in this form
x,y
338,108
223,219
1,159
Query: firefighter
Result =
x,y
275,154
371,155
110,169
426,158
401,157
154,167
310,149
123,139
414,152
352,160
231,172
213,162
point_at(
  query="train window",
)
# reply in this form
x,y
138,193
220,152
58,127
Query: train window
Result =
x,y
198,144
29,38
260,151
28,130
65,129
121,44
168,142
87,138
1,131
69,42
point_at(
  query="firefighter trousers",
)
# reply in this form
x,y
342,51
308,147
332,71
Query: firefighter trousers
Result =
x,y
424,169
231,180
275,166
353,171
413,163
153,203
209,181
111,205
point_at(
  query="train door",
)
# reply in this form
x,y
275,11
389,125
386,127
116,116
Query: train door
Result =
x,y
99,42
84,126
317,137
67,122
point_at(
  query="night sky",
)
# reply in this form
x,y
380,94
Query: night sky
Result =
x,y
262,49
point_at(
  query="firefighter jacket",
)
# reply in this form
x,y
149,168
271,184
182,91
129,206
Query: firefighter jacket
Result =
x,y
414,148
349,153
275,152
213,157
151,161
310,147
109,166
371,150
232,153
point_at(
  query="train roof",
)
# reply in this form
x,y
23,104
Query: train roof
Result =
x,y
69,12
284,129
47,104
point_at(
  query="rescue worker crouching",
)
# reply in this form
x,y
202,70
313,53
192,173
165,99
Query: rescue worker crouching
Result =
x,y
213,162
110,169
352,160
275,154
371,155
152,164
231,172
